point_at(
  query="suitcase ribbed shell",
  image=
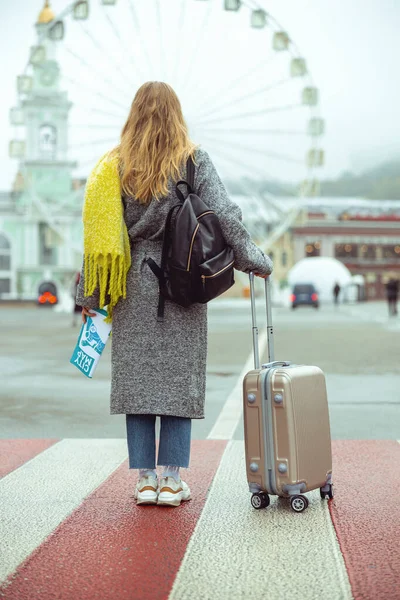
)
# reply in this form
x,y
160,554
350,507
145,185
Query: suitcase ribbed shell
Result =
x,y
287,431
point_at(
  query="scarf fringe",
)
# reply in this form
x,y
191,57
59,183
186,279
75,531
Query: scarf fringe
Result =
x,y
102,271
107,250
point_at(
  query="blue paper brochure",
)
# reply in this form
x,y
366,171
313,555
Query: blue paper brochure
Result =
x,y
91,342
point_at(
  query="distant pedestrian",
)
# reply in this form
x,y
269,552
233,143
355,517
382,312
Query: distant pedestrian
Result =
x,y
77,309
392,292
336,292
158,366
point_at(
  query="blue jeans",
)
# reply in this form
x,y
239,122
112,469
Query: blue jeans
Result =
x,y
174,446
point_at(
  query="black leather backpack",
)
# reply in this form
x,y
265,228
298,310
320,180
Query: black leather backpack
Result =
x,y
196,263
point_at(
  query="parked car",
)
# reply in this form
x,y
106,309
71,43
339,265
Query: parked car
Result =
x,y
304,294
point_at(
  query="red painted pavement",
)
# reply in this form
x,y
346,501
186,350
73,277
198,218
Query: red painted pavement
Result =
x,y
366,515
15,453
111,549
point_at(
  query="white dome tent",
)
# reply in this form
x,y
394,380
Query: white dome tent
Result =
x,y
323,272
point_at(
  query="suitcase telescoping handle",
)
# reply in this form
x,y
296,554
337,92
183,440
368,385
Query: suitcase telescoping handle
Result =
x,y
270,329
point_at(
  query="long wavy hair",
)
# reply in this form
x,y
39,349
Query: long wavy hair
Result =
x,y
155,143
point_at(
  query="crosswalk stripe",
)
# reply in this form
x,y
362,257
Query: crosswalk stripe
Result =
x,y
109,548
238,552
39,495
14,453
214,547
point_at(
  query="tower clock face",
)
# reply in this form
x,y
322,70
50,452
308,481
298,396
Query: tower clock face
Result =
x,y
48,141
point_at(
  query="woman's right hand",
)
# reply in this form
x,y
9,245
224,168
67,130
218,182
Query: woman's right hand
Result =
x,y
86,313
263,276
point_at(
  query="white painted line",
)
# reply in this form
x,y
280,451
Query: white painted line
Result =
x,y
229,417
39,495
239,552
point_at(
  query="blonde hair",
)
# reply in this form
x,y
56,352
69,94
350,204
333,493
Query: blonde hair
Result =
x,y
155,143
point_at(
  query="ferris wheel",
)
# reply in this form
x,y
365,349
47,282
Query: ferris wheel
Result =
x,y
245,89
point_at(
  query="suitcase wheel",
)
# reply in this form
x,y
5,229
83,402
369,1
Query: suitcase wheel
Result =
x,y
298,503
260,500
324,493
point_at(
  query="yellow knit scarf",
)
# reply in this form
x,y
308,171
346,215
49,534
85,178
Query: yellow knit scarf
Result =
x,y
107,255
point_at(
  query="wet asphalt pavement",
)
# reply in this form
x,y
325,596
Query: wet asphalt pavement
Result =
x,y
358,347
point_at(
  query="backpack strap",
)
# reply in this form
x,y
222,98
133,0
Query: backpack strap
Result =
x,y
190,171
189,182
159,272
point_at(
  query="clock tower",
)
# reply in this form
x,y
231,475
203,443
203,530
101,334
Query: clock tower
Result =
x,y
50,210
46,166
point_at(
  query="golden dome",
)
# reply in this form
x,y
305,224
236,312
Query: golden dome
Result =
x,y
47,14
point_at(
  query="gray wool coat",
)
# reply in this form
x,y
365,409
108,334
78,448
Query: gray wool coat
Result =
x,y
160,368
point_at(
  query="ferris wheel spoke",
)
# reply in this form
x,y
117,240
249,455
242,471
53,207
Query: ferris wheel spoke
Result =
x,y
252,114
194,57
160,38
89,162
232,84
251,4
138,30
251,168
91,109
229,159
127,53
235,101
91,143
92,69
258,150
89,126
104,97
94,93
247,186
232,131
103,50
181,28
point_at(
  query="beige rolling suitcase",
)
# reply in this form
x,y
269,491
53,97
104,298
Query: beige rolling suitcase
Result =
x,y
286,424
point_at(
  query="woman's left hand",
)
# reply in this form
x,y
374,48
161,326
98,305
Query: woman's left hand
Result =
x,y
86,313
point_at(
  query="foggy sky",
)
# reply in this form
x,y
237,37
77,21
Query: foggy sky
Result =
x,y
351,49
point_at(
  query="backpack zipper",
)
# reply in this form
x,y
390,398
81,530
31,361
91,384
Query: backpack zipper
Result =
x,y
208,212
204,277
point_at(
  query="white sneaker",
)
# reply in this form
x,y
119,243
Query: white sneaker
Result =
x,y
146,491
172,492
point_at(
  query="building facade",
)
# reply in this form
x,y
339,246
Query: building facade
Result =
x,y
363,234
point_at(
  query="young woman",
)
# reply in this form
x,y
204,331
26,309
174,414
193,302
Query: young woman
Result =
x,y
158,368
